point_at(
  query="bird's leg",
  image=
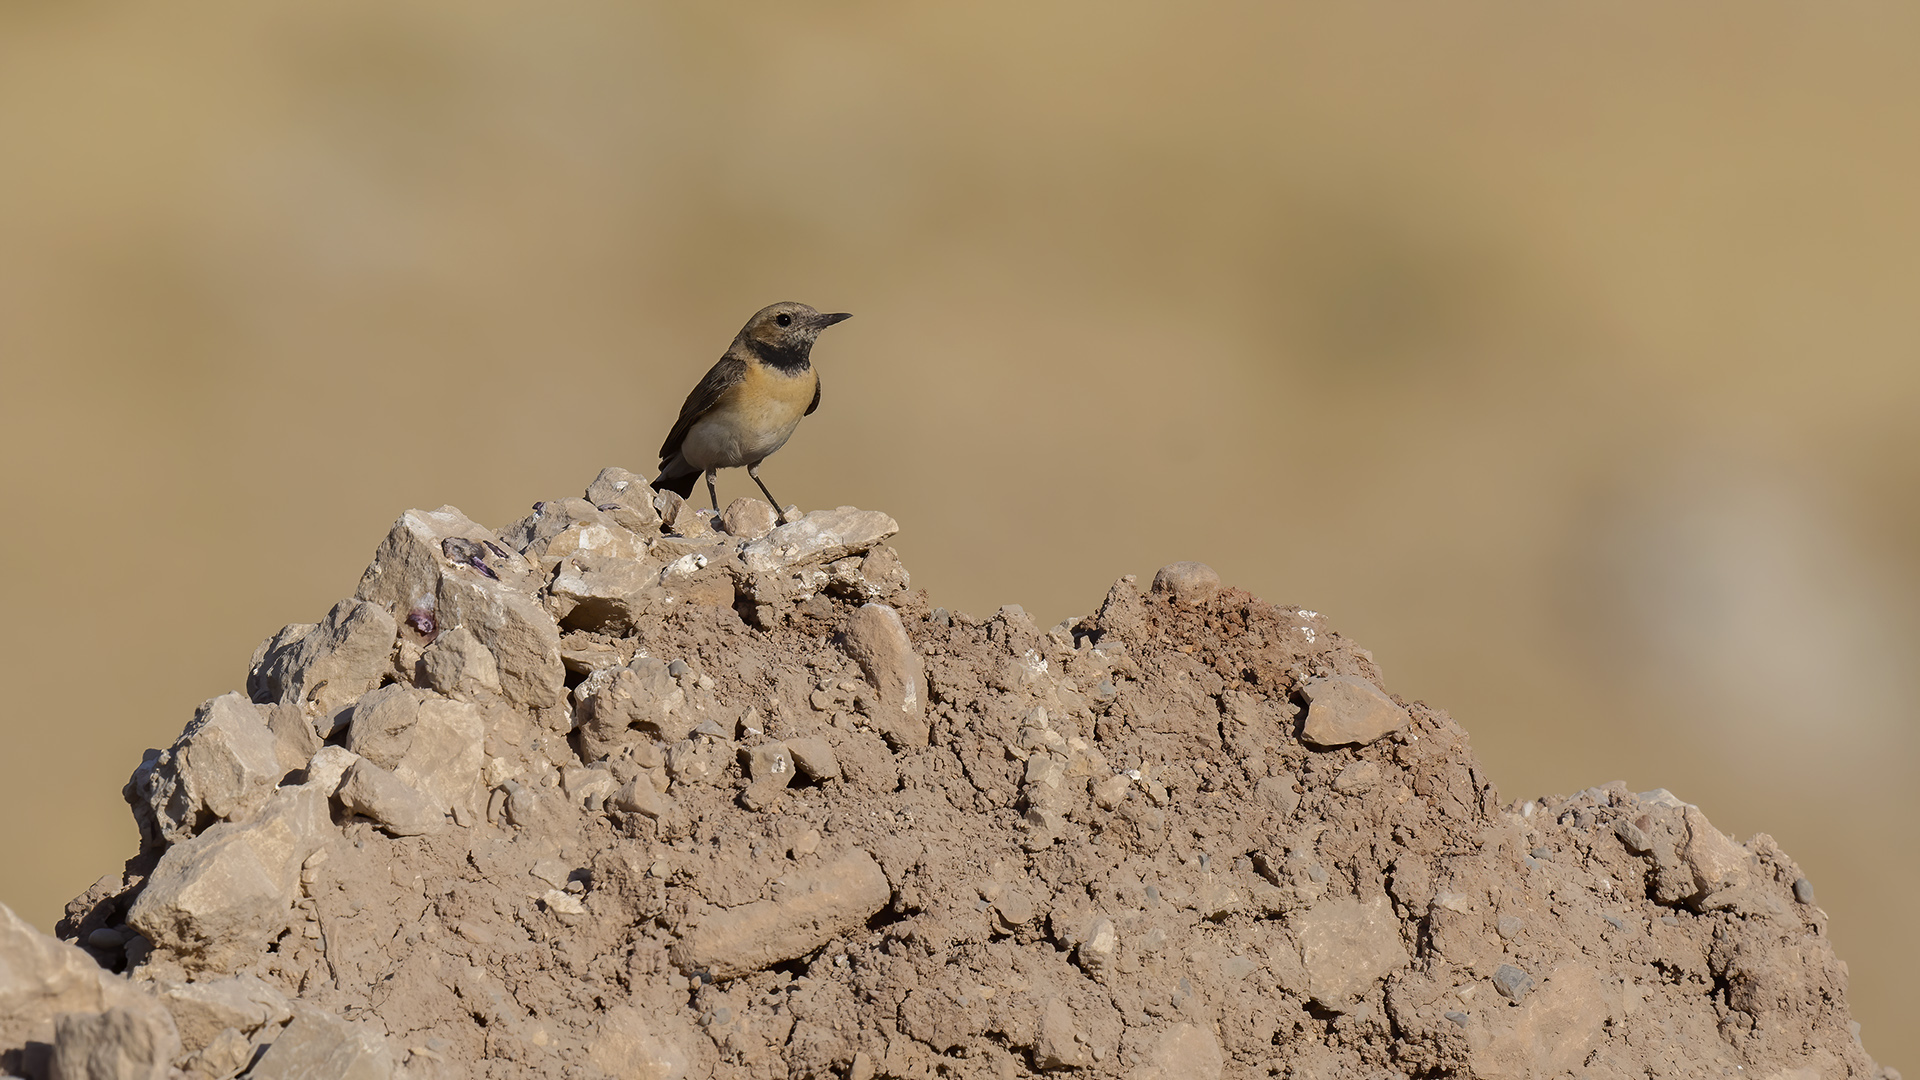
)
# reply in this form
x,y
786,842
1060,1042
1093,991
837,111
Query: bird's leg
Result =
x,y
779,513
713,492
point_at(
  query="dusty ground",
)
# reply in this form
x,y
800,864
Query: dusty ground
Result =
x,y
612,792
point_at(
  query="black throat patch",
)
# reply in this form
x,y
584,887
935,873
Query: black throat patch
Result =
x,y
788,360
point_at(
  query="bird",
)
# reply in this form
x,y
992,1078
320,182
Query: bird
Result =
x,y
749,402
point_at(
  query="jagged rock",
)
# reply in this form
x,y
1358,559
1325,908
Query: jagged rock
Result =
x,y
586,783
770,769
1716,861
813,907
327,766
1511,982
531,534
445,756
703,760
371,791
639,701
639,796
606,579
318,1047
331,664
878,642
624,496
1044,784
701,571
410,572
1348,710
223,767
224,1056
1096,950
217,899
281,642
876,576
294,740
813,757
457,665
381,725
41,978
202,1010
683,518
118,1044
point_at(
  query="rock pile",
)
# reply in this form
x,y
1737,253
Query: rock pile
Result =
x,y
626,790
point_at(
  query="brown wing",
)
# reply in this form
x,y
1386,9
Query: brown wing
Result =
x,y
815,403
724,376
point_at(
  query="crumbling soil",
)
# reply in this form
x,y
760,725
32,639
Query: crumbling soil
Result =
x,y
615,792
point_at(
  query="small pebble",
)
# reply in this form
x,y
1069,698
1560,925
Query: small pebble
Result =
x,y
1803,890
1457,1017
677,668
1512,983
1509,927
1542,852
106,939
1617,923
940,617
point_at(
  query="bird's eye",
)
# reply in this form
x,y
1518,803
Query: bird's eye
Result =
x,y
783,319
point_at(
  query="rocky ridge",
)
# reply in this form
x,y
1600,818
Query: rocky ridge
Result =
x,y
629,790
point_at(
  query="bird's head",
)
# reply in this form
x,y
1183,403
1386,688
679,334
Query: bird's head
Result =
x,y
786,330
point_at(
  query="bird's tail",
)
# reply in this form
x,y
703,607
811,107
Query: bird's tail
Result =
x,y
681,485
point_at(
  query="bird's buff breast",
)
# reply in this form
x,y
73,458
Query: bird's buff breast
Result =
x,y
756,419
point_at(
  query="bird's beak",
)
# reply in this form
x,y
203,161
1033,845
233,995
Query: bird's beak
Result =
x,y
824,321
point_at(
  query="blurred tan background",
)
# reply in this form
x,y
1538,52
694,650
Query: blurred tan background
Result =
x,y
1568,359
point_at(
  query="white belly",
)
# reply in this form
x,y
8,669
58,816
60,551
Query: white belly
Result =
x,y
731,438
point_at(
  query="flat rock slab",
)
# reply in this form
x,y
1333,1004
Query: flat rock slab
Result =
x,y
822,536
812,908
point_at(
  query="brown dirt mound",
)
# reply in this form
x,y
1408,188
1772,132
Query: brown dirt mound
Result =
x,y
615,792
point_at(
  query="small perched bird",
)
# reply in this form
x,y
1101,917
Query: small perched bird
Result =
x,y
749,403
